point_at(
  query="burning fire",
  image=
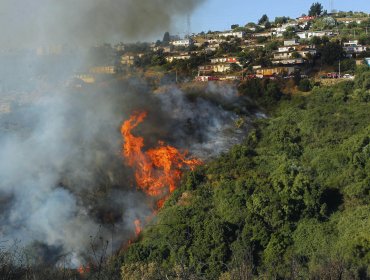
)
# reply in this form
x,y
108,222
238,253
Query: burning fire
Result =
x,y
158,170
137,227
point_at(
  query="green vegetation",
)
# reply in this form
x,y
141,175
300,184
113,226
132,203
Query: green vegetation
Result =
x,y
290,202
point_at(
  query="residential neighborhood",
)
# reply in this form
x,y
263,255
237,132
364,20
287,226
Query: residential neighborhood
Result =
x,y
313,46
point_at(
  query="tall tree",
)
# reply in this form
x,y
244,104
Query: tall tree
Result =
x,y
316,9
263,19
166,38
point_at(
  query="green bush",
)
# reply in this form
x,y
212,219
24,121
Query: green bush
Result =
x,y
305,85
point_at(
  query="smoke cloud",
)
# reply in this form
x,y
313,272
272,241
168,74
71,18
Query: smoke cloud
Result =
x,y
87,22
62,177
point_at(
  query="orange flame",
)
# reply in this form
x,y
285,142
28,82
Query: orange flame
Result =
x,y
137,227
158,170
82,270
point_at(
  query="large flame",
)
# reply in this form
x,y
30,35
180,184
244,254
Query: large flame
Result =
x,y
158,170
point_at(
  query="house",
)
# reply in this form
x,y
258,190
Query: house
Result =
x,y
237,34
306,18
310,34
286,49
206,78
276,71
103,70
127,60
164,49
86,78
283,55
217,68
182,43
307,53
347,21
292,42
289,61
263,34
120,47
225,60
352,47
278,31
172,58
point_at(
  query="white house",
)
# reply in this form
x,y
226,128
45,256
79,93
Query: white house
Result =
x,y
224,60
286,49
310,34
352,47
172,58
290,61
182,43
237,34
292,42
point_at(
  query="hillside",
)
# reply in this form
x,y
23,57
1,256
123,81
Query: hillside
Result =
x,y
291,202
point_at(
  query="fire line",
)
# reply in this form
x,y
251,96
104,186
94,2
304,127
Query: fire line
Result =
x,y
157,170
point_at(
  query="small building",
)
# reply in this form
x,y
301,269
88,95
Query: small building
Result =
x,y
215,68
237,34
206,78
127,60
86,78
224,60
310,34
282,55
352,47
172,58
286,49
276,71
292,42
263,34
306,18
347,21
103,70
182,43
289,61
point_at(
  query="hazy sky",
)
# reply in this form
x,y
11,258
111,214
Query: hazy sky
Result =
x,y
220,14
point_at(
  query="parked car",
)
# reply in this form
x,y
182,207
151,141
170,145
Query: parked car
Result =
x,y
332,75
348,76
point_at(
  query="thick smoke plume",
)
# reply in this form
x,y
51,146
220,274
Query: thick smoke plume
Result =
x,y
62,178
62,175
76,22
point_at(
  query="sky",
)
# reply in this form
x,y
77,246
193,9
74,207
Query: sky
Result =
x,y
217,15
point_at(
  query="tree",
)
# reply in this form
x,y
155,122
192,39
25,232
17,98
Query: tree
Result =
x,y
267,25
348,65
281,20
235,67
234,26
331,52
263,20
166,38
305,85
315,10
